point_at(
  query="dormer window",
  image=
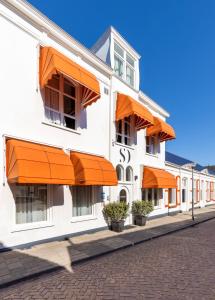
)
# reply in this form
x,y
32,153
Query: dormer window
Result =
x,y
124,64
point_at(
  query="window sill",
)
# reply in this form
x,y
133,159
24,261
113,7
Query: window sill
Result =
x,y
83,218
125,182
61,127
152,155
31,226
123,145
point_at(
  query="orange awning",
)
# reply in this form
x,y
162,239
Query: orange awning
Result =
x,y
53,62
33,163
158,178
93,170
127,106
164,130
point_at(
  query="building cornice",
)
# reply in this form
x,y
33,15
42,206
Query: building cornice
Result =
x,y
153,105
26,10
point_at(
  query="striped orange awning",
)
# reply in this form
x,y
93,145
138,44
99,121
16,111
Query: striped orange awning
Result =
x,y
93,170
33,163
158,178
164,130
127,106
53,62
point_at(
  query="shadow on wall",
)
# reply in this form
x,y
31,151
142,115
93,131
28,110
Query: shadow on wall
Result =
x,y
83,119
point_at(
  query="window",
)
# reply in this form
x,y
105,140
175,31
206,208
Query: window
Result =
x,y
152,144
172,196
124,64
60,102
123,196
129,174
154,195
82,200
120,173
201,190
184,190
123,131
31,203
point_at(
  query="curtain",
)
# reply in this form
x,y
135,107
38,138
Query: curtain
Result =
x,y
82,201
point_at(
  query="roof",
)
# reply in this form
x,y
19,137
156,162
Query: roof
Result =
x,y
180,161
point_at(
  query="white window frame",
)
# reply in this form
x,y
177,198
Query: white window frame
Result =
x,y
185,188
153,145
123,172
172,195
122,134
159,200
34,225
125,64
91,216
129,169
61,112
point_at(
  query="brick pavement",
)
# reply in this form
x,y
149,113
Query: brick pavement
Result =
x,y
18,264
176,266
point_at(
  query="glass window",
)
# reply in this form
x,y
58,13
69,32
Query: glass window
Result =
x,y
130,75
31,203
118,66
130,60
123,131
118,50
129,174
172,196
119,171
82,200
123,196
154,195
60,103
152,145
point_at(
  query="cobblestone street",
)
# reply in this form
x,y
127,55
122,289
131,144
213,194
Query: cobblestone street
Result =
x,y
177,266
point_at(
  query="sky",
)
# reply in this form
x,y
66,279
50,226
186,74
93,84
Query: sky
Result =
x,y
176,41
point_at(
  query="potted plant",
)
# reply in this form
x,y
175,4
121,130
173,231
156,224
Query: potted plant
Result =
x,y
140,209
116,213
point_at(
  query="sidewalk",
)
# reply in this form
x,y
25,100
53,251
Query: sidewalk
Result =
x,y
17,265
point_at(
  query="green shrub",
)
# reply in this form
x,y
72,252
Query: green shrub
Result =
x,y
116,211
141,207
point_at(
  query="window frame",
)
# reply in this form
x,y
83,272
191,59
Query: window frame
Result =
x,y
84,217
41,224
125,64
122,172
145,193
152,148
184,187
61,95
122,134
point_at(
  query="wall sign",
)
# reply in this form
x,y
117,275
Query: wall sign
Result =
x,y
125,155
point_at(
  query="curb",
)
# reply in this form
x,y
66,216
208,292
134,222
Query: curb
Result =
x,y
109,251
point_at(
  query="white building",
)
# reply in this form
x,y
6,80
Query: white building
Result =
x,y
72,121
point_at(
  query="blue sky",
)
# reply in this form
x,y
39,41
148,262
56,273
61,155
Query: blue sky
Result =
x,y
176,40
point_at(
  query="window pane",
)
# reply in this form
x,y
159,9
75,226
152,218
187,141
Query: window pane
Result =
x,y
69,122
130,60
54,82
127,126
119,127
129,174
122,196
82,201
118,66
119,172
149,194
31,203
119,138
130,75
147,144
118,50
69,106
51,99
69,88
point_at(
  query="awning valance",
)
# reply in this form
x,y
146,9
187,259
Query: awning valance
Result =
x,y
93,170
158,178
33,163
127,106
164,130
53,62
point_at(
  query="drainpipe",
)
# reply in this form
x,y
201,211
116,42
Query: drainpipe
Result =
x,y
110,129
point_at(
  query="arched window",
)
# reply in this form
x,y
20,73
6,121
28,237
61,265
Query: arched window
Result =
x,y
120,172
129,174
123,196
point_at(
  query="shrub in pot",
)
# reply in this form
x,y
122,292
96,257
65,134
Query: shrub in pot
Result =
x,y
116,213
140,210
